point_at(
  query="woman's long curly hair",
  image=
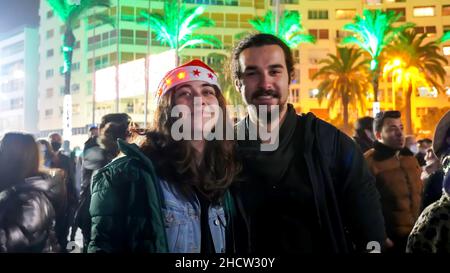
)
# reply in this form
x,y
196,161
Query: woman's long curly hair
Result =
x,y
175,160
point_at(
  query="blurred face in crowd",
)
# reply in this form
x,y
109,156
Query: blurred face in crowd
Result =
x,y
391,133
56,142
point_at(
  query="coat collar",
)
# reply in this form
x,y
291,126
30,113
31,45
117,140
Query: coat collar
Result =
x,y
383,152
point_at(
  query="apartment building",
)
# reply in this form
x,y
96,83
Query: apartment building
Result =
x,y
18,80
98,48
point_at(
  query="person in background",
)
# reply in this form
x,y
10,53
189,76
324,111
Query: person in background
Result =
x,y
411,144
47,153
27,198
62,161
431,232
364,136
112,127
397,175
424,146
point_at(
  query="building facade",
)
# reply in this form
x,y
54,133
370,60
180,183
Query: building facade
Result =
x,y
103,46
19,80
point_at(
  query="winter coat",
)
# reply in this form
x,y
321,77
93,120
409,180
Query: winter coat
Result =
x,y
345,198
397,176
126,207
27,216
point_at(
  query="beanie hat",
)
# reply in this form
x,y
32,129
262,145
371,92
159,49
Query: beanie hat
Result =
x,y
194,70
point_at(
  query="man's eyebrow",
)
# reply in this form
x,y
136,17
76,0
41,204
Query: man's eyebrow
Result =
x,y
276,66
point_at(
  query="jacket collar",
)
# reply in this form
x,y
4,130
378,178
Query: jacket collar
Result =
x,y
132,150
383,152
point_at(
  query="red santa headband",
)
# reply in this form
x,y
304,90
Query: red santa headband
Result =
x,y
194,70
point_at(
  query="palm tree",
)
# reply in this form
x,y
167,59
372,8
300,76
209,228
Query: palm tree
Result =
x,y
345,79
415,61
374,31
220,63
446,37
70,13
175,28
289,28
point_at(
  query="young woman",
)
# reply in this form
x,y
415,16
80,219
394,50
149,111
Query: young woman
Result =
x,y
27,213
172,194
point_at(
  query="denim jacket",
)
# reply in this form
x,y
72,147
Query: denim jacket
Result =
x,y
182,221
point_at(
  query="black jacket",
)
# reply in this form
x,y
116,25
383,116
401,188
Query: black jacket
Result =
x,y
346,200
27,216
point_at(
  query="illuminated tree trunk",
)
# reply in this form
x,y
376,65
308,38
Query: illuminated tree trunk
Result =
x,y
345,102
409,124
375,83
68,44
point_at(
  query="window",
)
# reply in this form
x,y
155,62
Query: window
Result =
x,y
445,10
295,95
231,20
49,73
429,30
49,14
49,92
16,103
373,2
218,18
312,72
48,113
423,11
76,66
399,11
319,33
13,49
126,36
446,50
50,33
50,53
345,14
318,14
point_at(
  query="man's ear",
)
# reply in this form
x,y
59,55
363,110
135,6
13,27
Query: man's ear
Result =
x,y
238,85
378,135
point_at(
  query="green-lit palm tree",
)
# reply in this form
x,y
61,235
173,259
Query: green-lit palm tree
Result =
x,y
289,30
373,32
176,26
70,13
220,63
345,79
446,37
415,61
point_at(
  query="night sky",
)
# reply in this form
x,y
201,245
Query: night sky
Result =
x,y
16,13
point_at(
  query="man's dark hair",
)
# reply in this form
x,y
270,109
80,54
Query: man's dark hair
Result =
x,y
119,118
258,40
425,140
381,116
364,123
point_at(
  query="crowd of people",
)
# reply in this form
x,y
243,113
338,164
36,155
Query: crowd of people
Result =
x,y
137,189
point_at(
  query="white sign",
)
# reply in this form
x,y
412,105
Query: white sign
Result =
x,y
67,117
132,77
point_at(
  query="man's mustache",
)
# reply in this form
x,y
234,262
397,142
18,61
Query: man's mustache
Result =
x,y
265,92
